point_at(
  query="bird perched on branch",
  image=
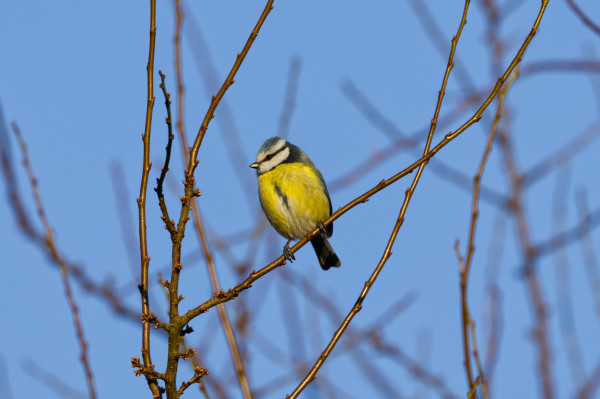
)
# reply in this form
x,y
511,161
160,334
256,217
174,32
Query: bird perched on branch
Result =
x,y
294,197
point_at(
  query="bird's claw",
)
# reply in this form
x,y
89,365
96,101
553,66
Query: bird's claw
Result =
x,y
287,253
322,229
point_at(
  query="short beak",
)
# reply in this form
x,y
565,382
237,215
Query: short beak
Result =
x,y
254,165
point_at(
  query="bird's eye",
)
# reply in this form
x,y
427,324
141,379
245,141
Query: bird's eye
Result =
x,y
269,157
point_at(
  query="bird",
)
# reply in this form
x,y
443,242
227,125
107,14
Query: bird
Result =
x,y
294,197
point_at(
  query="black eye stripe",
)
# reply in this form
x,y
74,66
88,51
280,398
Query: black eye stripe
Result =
x,y
268,157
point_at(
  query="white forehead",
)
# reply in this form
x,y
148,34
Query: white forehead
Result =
x,y
270,146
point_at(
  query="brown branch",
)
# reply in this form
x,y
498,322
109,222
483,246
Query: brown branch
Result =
x,y
105,291
176,322
232,293
583,17
210,75
438,38
217,98
229,334
530,255
52,246
407,142
147,361
179,76
227,329
372,334
399,221
466,267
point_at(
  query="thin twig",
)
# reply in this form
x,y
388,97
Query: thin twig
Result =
x,y
57,257
226,84
232,293
438,38
402,142
372,334
229,334
531,256
228,330
464,272
145,260
583,17
179,76
495,321
399,221
176,322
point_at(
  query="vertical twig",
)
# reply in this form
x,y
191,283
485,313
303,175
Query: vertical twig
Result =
x,y
464,272
53,249
176,322
228,330
145,260
530,255
583,17
179,78
229,334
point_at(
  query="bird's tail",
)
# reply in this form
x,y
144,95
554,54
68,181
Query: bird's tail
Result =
x,y
326,255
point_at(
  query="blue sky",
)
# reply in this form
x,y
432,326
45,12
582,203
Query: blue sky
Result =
x,y
73,78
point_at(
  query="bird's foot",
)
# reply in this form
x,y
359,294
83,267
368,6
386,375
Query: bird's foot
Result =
x,y
322,229
287,253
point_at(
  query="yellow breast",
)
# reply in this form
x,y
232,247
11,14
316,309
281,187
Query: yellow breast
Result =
x,y
293,198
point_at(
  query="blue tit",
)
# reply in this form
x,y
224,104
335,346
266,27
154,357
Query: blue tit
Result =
x,y
294,197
